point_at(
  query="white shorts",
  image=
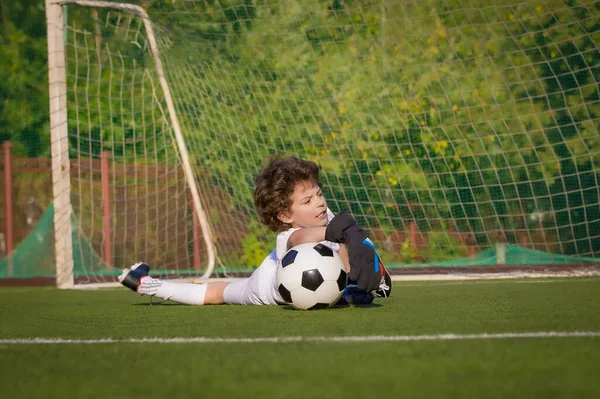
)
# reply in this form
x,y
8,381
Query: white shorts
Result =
x,y
258,289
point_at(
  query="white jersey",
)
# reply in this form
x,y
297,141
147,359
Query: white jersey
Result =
x,y
261,287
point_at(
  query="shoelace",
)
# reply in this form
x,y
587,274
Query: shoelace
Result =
x,y
149,282
383,287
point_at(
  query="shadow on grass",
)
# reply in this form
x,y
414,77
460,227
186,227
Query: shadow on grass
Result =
x,y
161,303
284,307
336,307
371,305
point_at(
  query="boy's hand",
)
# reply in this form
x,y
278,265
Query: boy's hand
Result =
x,y
364,261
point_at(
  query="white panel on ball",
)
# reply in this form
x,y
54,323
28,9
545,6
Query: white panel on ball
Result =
x,y
330,269
288,276
303,298
323,293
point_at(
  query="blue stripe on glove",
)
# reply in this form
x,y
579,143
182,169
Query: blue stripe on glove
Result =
x,y
368,242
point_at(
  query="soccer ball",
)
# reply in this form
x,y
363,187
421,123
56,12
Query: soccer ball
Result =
x,y
311,276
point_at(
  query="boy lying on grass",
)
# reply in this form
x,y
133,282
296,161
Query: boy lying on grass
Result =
x,y
289,200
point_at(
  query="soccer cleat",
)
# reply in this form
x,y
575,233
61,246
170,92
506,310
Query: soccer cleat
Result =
x,y
353,295
385,288
132,277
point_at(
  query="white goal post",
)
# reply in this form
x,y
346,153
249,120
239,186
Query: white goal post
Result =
x,y
59,136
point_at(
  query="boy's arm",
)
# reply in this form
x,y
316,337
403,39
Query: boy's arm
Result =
x,y
344,255
316,234
307,234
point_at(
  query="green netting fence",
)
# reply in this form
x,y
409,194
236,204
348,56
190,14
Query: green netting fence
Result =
x,y
513,255
34,256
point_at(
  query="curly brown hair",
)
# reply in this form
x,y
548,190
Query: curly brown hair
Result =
x,y
275,185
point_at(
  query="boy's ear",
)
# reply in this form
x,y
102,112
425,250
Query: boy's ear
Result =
x,y
284,218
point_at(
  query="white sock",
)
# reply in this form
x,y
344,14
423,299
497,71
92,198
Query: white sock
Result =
x,y
186,293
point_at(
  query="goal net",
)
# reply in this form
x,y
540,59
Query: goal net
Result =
x,y
458,132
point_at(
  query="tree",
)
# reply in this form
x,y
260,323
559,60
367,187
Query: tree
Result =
x,y
24,77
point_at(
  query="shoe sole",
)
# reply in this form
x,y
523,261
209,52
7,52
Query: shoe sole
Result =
x,y
133,278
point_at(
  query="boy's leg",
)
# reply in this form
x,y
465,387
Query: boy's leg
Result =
x,y
258,289
242,292
188,293
214,293
137,279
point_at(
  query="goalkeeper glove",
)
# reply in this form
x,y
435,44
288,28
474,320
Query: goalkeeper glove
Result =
x,y
364,260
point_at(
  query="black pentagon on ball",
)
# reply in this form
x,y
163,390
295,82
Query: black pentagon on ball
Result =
x,y
323,250
319,306
342,280
289,258
312,279
285,293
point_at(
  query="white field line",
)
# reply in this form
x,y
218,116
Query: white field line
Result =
x,y
285,340
441,283
495,276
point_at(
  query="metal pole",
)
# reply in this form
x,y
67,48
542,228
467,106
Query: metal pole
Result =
x,y
61,168
8,204
106,209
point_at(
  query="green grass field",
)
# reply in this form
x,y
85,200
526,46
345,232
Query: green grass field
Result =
x,y
472,365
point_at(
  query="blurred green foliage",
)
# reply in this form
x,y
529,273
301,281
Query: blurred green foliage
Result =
x,y
24,77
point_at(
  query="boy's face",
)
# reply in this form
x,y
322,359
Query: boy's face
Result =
x,y
309,208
